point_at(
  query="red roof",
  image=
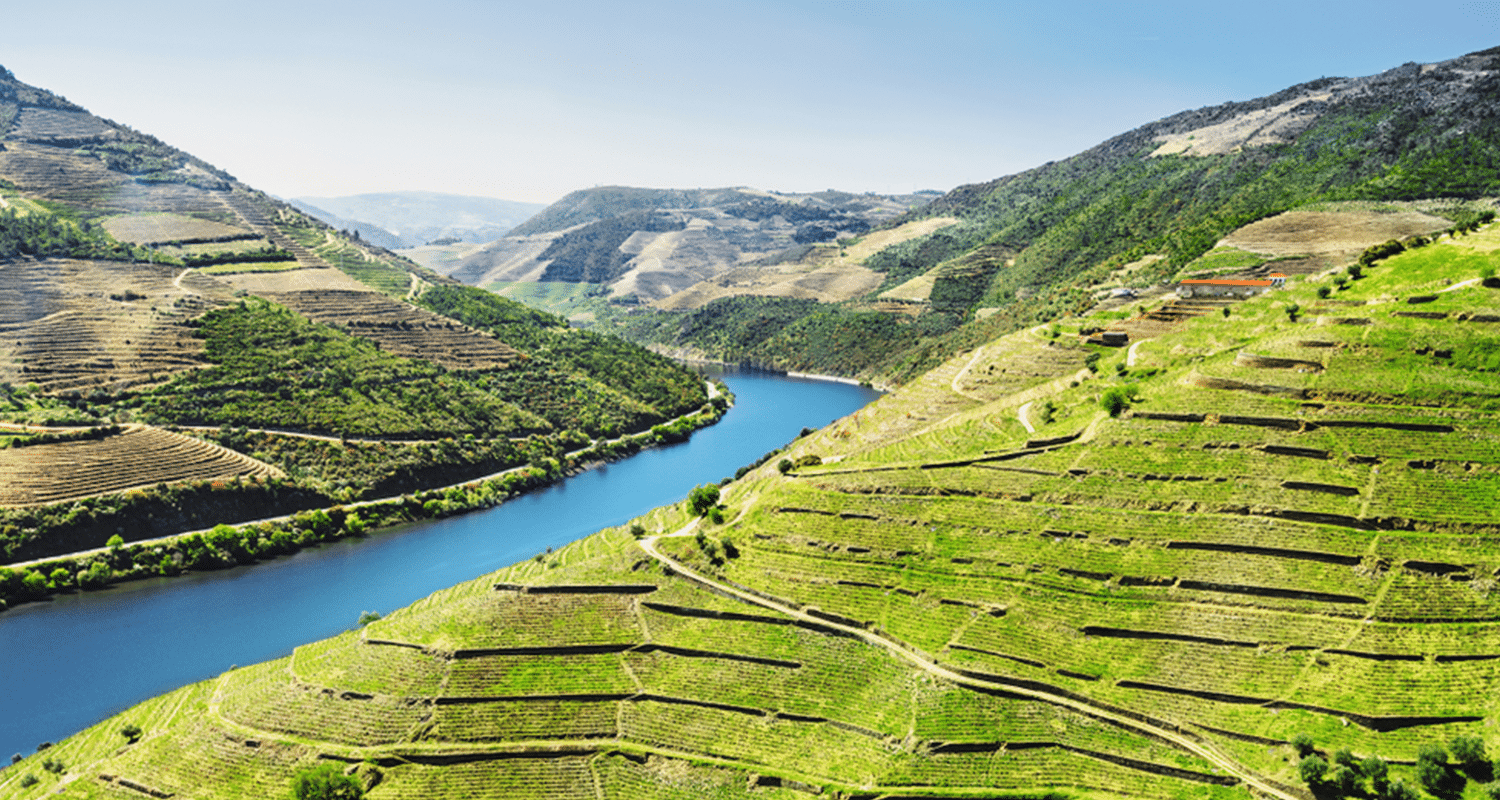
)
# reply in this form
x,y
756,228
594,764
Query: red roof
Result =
x,y
1216,282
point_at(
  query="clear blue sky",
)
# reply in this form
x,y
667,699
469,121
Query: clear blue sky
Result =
x,y
530,101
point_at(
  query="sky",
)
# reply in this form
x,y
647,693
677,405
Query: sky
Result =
x,y
529,101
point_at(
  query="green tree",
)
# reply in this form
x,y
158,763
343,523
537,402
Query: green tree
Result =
x,y
702,498
1468,751
1303,744
1345,781
1311,769
325,782
1375,768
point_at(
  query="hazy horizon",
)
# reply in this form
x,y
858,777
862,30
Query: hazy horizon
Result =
x,y
527,102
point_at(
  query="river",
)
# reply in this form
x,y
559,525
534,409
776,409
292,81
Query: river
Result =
x,y
72,661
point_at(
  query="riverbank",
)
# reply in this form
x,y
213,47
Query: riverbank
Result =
x,y
754,368
227,545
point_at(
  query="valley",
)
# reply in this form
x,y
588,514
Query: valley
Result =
x,y
1185,485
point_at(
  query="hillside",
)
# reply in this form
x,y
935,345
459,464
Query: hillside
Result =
x,y
158,311
1264,530
641,245
1025,247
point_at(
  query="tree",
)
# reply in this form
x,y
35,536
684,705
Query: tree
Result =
x,y
1117,398
1375,768
702,498
325,782
1345,780
1303,744
784,466
1311,769
1468,751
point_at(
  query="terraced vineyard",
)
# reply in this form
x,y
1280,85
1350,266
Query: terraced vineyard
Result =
x,y
70,324
139,456
399,328
934,597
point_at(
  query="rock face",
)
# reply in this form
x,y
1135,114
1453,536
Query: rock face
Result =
x,y
655,242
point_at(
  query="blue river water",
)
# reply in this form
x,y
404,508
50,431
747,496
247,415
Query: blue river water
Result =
x,y
72,661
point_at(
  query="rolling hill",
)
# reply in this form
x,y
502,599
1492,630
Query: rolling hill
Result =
x,y
644,245
142,290
1139,208
1252,552
1255,548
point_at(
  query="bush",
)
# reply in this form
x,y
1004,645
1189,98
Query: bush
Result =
x,y
1375,768
131,732
784,466
1468,751
1323,292
702,498
1116,399
325,782
1303,744
28,780
1311,769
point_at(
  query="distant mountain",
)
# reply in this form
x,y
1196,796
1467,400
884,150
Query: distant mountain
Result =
x,y
413,219
653,243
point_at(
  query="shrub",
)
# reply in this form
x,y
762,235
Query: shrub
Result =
x,y
1375,768
1117,398
702,498
28,780
1345,780
784,466
1400,791
637,530
1467,750
1303,744
325,782
1323,292
367,617
54,766
131,732
1311,769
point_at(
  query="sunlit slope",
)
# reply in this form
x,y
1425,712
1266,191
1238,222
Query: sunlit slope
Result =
x,y
1290,530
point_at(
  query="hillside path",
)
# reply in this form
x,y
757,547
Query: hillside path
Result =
x,y
1203,750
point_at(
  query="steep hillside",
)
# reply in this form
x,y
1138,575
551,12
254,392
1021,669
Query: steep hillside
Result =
x,y
1168,192
139,285
1249,554
651,244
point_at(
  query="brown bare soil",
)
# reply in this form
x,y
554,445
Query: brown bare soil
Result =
x,y
827,273
140,456
67,324
162,227
398,328
301,280
1329,233
66,176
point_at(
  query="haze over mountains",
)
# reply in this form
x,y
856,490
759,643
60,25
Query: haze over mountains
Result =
x,y
398,220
